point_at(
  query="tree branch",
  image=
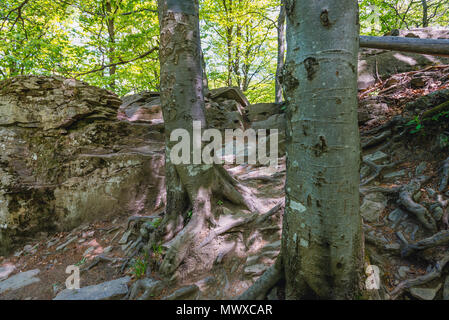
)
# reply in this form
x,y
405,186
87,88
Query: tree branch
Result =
x,y
143,55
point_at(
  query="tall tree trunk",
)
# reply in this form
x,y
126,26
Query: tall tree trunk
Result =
x,y
281,52
322,240
425,9
182,103
111,39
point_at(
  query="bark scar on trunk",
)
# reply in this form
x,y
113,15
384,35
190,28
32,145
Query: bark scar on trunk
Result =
x,y
311,65
324,18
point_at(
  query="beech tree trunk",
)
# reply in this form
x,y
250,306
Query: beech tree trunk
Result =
x,y
181,96
322,237
182,99
281,52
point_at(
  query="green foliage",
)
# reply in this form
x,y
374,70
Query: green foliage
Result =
x,y
139,267
240,45
113,43
378,17
81,262
219,202
418,124
75,38
156,222
157,249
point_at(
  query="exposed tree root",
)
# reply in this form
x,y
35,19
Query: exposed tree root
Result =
x,y
440,108
435,273
385,145
376,140
406,193
393,122
393,190
149,286
139,218
261,178
444,176
446,218
255,217
136,251
379,242
207,183
268,280
179,246
377,170
223,253
406,198
438,239
97,260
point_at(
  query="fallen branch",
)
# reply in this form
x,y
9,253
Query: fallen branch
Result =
x,y
438,47
143,55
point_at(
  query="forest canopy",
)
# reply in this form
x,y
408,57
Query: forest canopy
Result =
x,y
114,43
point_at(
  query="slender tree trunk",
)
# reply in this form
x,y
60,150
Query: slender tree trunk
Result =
x,y
111,39
281,52
425,9
322,239
205,80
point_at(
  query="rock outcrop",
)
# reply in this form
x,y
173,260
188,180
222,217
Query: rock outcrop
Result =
x,y
110,290
66,159
225,108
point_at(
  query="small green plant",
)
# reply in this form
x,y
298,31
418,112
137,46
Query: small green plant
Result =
x,y
156,222
81,262
219,202
139,267
439,115
157,248
189,214
416,122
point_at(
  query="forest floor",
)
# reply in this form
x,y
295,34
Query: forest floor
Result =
x,y
246,251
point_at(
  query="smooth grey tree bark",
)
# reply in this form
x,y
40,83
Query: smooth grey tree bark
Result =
x,y
182,99
322,235
281,52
